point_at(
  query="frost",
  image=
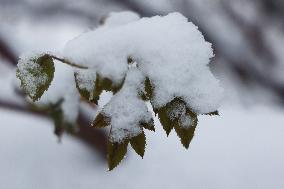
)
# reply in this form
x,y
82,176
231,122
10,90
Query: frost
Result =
x,y
169,50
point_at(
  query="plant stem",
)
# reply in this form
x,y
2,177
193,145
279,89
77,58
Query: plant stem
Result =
x,y
68,62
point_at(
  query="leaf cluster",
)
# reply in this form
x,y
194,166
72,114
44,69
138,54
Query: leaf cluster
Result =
x,y
176,114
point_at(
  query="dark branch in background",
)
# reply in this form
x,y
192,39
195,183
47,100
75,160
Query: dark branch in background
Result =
x,y
95,138
135,6
7,53
49,10
274,8
254,35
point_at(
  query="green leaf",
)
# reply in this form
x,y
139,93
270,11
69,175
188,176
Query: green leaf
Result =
x,y
103,83
101,121
186,134
150,125
36,75
166,122
138,143
116,152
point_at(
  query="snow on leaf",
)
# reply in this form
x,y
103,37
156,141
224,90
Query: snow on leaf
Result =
x,y
36,74
169,50
185,126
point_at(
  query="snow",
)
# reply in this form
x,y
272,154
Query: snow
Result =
x,y
168,49
63,88
126,109
225,153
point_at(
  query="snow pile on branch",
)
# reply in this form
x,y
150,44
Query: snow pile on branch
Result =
x,y
169,50
162,60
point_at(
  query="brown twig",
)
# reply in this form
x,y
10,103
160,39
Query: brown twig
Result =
x,y
7,53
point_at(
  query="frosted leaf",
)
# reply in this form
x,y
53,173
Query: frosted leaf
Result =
x,y
36,72
85,82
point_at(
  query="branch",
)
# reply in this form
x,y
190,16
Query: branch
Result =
x,y
68,62
54,9
7,52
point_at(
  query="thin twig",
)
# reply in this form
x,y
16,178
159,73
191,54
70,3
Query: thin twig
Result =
x,y
68,62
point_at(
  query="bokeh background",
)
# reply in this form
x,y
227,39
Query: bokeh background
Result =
x,y
243,148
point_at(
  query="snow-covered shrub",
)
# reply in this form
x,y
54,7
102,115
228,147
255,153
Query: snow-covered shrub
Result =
x,y
162,60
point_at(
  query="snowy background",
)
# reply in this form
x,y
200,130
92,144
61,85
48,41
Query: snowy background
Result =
x,y
240,149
